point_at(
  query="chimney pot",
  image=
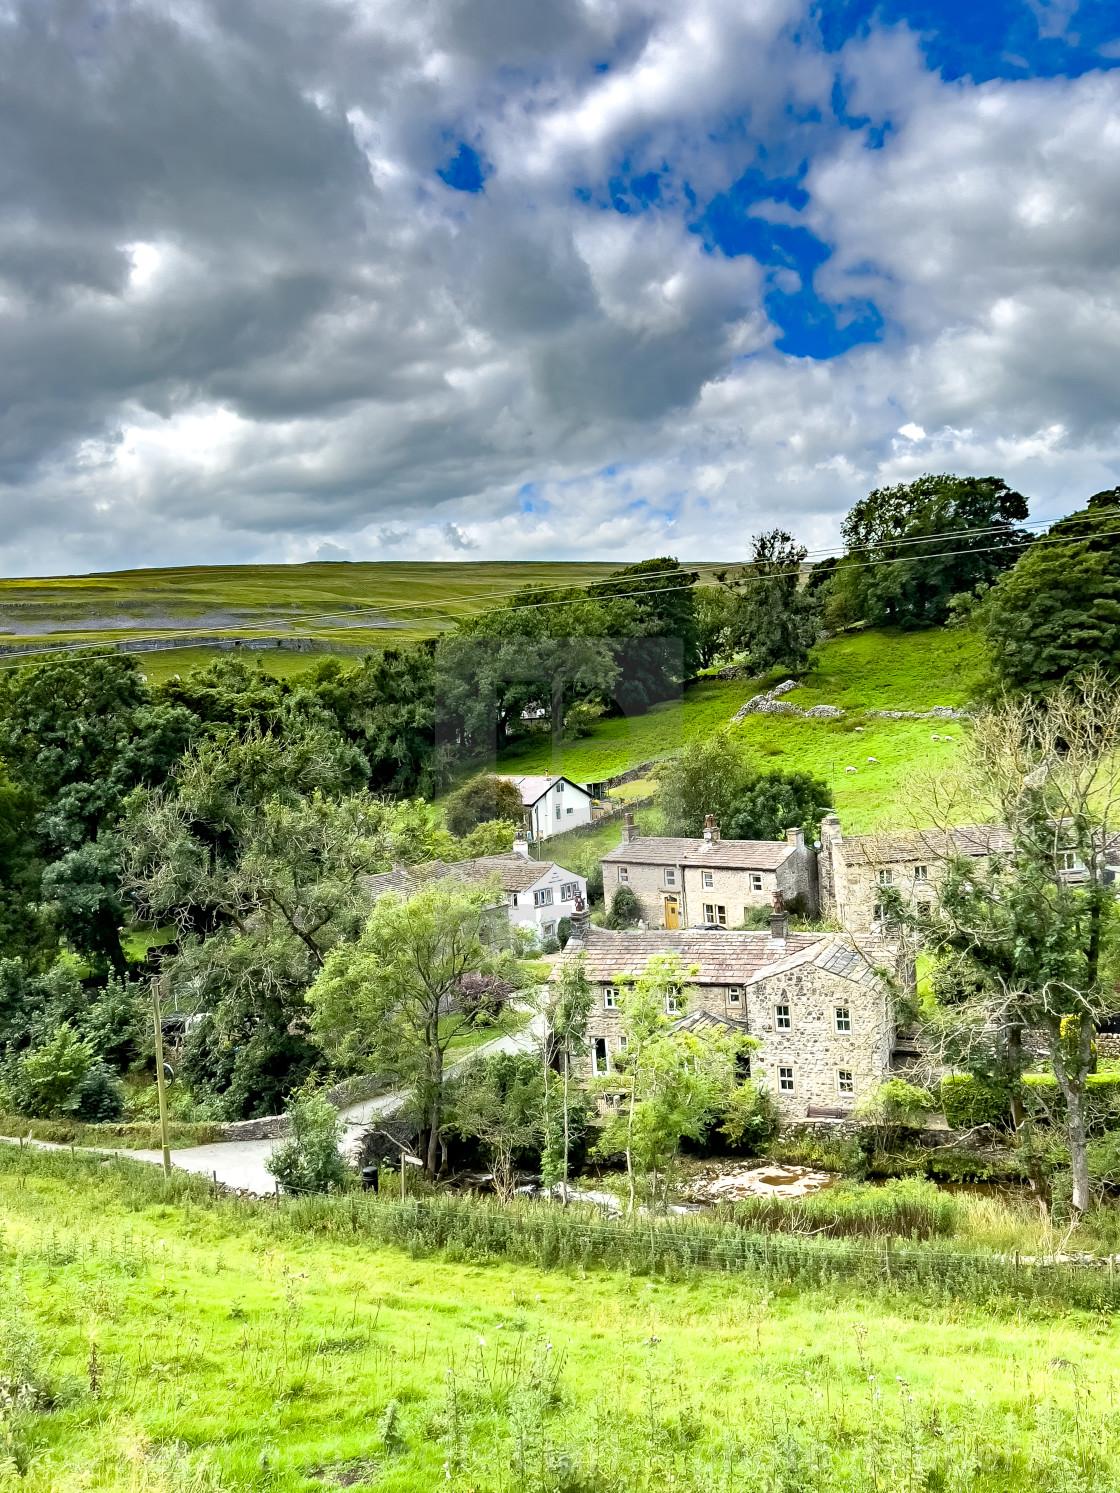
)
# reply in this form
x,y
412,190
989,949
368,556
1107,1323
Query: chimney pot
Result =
x,y
796,837
629,833
711,828
579,923
779,927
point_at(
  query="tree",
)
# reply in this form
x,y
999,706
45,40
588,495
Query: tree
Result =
x,y
1058,611
1037,928
484,798
714,607
47,1078
567,1007
78,738
625,911
390,999
262,880
500,1101
715,775
651,600
775,620
673,1081
913,546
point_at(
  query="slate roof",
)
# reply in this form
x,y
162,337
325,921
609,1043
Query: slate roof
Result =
x,y
728,855
727,957
516,872
937,844
534,786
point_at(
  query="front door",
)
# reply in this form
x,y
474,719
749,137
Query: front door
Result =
x,y
672,913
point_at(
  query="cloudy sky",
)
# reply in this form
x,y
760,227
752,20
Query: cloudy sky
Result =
x,y
287,279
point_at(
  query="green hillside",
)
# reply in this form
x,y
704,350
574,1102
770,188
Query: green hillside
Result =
x,y
326,601
872,670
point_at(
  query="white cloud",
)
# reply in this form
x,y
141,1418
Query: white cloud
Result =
x,y
244,318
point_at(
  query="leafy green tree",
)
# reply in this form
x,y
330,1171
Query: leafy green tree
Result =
x,y
78,738
673,1082
26,929
914,546
1036,931
1058,611
310,1160
567,1007
500,1102
775,620
715,608
389,1001
625,911
715,775
660,604
484,798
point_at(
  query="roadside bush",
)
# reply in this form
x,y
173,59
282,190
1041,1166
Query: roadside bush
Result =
x,y
46,1081
100,1096
310,1160
969,1101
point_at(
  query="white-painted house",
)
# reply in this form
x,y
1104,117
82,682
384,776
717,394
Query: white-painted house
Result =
x,y
537,893
551,805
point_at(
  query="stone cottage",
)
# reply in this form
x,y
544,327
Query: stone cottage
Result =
x,y
710,882
818,1004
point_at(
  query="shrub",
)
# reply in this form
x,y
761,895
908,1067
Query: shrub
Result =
x,y
1043,1098
625,909
969,1101
48,1078
893,1108
595,885
100,1096
310,1161
749,1117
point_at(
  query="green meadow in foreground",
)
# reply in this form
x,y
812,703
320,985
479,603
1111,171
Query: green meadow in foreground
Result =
x,y
181,1342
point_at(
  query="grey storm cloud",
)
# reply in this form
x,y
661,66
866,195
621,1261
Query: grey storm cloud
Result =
x,y
243,316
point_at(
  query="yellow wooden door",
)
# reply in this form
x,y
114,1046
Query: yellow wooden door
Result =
x,y
672,913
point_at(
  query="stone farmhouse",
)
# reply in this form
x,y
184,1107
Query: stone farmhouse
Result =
x,y
855,870
818,1004
710,882
537,893
551,805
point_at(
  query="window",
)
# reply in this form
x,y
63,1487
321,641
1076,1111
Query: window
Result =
x,y
715,912
783,1020
879,912
543,897
734,995
513,899
560,786
785,1080
569,891
549,930
1067,860
599,1060
622,1044
670,878
886,878
673,1004
921,873
610,998
756,881
843,1018
845,1081
624,874
571,811
707,880
925,909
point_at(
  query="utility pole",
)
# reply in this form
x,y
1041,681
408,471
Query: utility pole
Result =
x,y
160,1087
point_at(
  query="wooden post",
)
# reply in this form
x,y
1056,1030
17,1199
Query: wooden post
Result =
x,y
160,1088
402,1177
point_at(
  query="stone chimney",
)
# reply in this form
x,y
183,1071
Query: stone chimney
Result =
x,y
779,919
629,832
711,829
520,844
579,922
796,837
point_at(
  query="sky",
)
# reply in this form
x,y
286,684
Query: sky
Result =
x,y
286,280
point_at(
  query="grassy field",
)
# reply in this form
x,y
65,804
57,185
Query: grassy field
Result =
x,y
872,670
343,605
193,1344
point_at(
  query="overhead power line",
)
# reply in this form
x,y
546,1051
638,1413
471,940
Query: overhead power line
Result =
x,y
60,656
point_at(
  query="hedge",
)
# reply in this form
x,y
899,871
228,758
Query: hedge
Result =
x,y
969,1101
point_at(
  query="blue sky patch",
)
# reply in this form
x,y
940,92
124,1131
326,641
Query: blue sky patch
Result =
x,y
466,171
984,39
